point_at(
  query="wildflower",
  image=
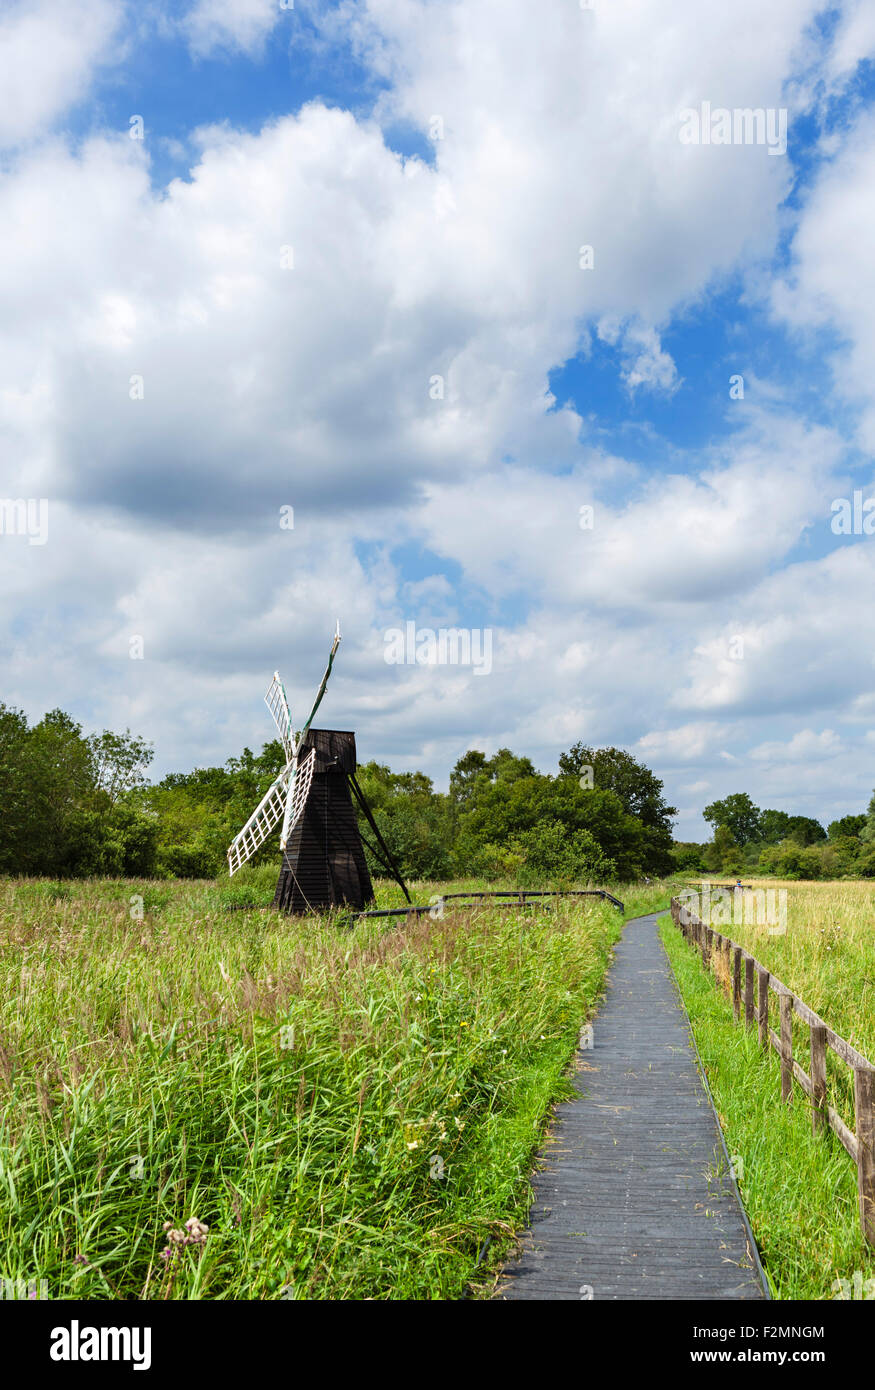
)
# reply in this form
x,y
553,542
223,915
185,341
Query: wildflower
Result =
x,y
195,1233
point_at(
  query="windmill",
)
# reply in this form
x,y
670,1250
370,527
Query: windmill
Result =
x,y
323,862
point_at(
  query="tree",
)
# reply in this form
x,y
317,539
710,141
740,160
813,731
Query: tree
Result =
x,y
868,831
475,770
723,854
774,826
413,820
803,830
119,762
14,827
639,790
500,813
464,775
615,770
737,814
60,787
845,826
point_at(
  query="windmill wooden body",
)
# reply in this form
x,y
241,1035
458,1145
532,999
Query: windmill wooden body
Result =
x,y
323,861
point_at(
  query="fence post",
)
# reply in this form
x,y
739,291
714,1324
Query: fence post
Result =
x,y
819,1117
786,1047
736,981
864,1110
763,976
704,945
748,992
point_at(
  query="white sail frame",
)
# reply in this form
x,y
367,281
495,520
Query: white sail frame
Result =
x,y
298,791
270,811
276,701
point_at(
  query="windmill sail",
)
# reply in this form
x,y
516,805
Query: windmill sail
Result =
x,y
276,701
269,812
321,691
298,791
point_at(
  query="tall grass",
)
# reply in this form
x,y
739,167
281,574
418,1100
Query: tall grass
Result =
x,y
350,1107
826,956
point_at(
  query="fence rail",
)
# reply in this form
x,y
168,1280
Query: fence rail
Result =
x,y
734,961
517,896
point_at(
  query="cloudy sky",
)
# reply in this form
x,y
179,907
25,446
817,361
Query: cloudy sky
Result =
x,y
452,280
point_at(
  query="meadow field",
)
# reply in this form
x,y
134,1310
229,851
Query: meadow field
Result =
x,y
200,1098
799,1189
826,954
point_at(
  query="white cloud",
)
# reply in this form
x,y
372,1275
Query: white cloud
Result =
x,y
808,645
645,361
803,747
830,284
854,38
48,56
231,25
682,743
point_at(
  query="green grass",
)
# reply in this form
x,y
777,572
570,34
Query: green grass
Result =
x,y
351,1108
800,1191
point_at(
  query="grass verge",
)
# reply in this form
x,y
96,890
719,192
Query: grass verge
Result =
x,y
800,1191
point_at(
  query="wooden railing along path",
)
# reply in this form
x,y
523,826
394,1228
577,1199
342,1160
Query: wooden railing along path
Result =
x,y
735,960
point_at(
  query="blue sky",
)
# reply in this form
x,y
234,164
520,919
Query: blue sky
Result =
x,y
332,209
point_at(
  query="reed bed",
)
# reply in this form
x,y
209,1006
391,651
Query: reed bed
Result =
x,y
349,1108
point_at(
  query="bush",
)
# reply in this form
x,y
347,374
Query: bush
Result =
x,y
550,853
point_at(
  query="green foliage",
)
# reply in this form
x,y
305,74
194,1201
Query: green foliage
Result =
x,y
506,802
413,820
805,830
640,792
848,826
67,800
688,857
549,855
774,827
737,814
794,847
723,855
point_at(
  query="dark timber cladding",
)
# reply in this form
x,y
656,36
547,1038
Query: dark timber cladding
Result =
x,y
324,863
635,1201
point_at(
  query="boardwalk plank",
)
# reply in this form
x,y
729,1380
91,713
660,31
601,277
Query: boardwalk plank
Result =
x,y
631,1202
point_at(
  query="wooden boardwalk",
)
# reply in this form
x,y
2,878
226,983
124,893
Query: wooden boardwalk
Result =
x,y
629,1203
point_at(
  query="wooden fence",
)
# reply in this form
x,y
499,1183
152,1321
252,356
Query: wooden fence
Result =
x,y
734,963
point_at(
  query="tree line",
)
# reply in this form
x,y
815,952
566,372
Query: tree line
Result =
x,y
77,805
749,840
